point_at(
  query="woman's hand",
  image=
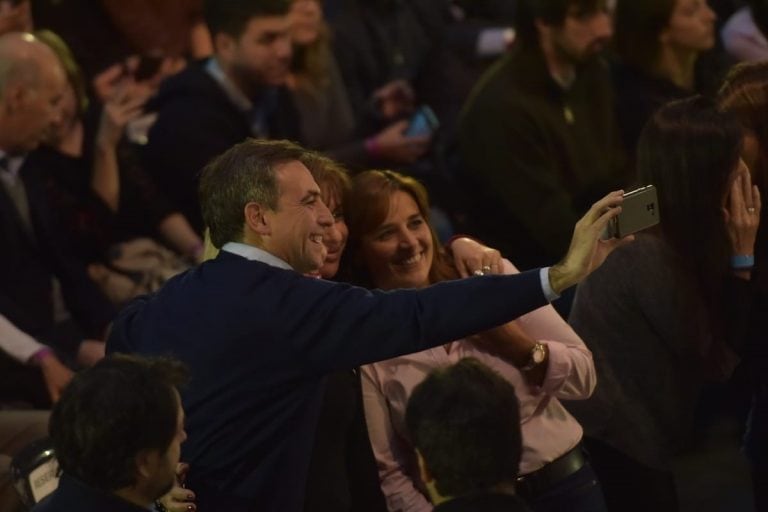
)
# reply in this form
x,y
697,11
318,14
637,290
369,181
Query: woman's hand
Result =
x,y
473,258
179,499
125,105
742,213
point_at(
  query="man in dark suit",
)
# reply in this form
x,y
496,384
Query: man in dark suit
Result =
x,y
45,294
237,93
259,336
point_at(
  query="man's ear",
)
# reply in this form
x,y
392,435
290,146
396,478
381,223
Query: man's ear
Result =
x,y
424,473
146,461
256,219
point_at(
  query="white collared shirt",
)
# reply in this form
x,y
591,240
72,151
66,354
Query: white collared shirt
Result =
x,y
253,253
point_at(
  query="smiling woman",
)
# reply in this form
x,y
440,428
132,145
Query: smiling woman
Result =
x,y
392,245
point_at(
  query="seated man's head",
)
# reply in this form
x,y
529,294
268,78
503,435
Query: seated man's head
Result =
x,y
464,422
251,40
260,193
32,84
574,30
119,426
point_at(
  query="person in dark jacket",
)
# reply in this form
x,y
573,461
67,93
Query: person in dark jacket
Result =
x,y
117,435
216,103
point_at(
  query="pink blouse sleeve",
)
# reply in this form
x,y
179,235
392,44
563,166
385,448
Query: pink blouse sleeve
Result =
x,y
571,374
391,451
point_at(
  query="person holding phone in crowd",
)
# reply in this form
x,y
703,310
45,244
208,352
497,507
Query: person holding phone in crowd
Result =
x,y
664,316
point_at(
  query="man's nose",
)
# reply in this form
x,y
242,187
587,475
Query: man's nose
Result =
x,y
324,217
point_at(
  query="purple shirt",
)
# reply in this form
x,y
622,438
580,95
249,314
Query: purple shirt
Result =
x,y
548,429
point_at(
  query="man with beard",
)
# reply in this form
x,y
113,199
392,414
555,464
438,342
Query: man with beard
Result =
x,y
216,103
117,433
538,134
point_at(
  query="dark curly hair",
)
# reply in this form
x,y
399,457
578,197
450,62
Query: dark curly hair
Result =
x,y
465,422
110,413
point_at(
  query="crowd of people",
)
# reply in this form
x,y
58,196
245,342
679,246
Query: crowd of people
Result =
x,y
351,255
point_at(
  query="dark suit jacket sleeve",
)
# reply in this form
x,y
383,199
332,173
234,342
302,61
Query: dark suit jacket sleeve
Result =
x,y
344,327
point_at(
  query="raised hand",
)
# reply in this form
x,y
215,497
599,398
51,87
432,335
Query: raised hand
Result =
x,y
587,250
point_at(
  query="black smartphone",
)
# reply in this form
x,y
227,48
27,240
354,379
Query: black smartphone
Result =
x,y
639,211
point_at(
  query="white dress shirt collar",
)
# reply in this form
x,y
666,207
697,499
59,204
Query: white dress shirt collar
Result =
x,y
252,253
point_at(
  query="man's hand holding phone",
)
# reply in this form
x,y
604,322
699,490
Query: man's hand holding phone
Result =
x,y
588,249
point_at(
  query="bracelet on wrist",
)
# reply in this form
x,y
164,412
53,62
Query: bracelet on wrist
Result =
x,y
742,261
372,146
41,354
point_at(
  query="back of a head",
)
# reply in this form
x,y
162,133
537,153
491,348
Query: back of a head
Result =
x,y
465,422
111,412
244,173
232,16
745,93
638,25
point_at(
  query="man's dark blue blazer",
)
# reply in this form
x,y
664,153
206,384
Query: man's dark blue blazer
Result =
x,y
259,341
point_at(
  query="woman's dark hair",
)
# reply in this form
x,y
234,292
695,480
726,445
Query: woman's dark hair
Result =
x,y
638,24
367,206
689,150
113,411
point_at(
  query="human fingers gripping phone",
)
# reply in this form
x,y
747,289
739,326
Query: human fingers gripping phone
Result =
x,y
639,211
422,122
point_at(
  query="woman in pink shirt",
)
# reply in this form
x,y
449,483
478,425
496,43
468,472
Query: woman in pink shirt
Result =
x,y
392,245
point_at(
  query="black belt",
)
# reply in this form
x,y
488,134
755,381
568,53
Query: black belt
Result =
x,y
533,484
